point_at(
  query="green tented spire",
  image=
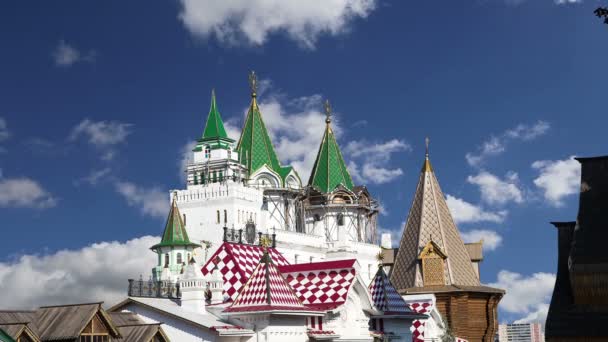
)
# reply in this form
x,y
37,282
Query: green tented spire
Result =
x,y
214,128
329,170
254,147
175,231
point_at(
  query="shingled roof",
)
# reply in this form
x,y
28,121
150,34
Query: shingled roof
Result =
x,y
430,219
236,263
266,291
175,233
385,297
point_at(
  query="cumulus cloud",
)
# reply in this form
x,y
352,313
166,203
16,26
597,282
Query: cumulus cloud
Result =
x,y
497,191
491,239
65,55
98,272
237,21
527,296
557,179
465,212
104,135
497,145
151,201
374,159
94,177
24,193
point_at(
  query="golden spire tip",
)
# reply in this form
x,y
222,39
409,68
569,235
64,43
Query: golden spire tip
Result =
x,y
327,112
253,83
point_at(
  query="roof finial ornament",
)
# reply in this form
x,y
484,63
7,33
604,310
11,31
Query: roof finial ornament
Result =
x,y
427,141
327,107
253,83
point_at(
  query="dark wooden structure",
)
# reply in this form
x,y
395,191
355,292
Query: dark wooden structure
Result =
x,y
579,305
432,258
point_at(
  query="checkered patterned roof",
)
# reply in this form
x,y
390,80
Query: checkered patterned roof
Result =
x,y
266,290
321,285
384,296
236,263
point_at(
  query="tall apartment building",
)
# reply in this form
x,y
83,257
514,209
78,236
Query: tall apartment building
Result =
x,y
521,332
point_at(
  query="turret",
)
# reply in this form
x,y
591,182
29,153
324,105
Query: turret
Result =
x,y
192,289
174,248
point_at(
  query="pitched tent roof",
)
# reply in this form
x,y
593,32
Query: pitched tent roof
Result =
x,y
175,233
385,297
214,128
68,321
321,285
17,331
236,263
329,170
254,147
430,219
266,290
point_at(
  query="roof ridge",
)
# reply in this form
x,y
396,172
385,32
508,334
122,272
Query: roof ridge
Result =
x,y
68,305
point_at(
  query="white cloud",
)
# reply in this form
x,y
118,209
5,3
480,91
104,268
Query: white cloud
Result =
x,y
98,272
237,21
557,179
465,212
24,193
374,159
66,55
102,133
94,177
498,144
150,201
526,295
491,239
4,133
563,2
495,190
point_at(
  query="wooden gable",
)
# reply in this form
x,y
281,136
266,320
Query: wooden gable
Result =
x,y
432,265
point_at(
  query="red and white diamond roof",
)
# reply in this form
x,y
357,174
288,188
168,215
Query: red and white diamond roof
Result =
x,y
236,263
266,290
321,285
384,295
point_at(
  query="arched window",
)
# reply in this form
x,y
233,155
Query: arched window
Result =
x,y
207,152
214,176
218,217
166,259
184,219
221,178
229,154
195,179
179,258
340,219
225,216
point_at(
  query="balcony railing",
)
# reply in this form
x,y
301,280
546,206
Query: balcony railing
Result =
x,y
156,289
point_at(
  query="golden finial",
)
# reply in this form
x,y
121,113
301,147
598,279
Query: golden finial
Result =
x,y
427,141
253,83
327,107
265,241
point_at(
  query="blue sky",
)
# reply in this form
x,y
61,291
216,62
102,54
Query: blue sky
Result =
x,y
99,103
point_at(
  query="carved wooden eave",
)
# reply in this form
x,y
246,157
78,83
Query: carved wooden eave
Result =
x,y
432,250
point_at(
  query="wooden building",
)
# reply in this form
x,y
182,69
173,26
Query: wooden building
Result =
x,y
433,259
579,305
77,323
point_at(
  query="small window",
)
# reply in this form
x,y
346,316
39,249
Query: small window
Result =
x,y
340,220
317,218
184,215
218,217
225,216
167,259
214,176
207,152
229,154
189,257
179,258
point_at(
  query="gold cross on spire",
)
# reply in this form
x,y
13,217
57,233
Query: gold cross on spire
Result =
x,y
327,111
253,83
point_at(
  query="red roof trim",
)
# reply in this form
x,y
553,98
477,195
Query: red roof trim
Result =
x,y
269,308
317,266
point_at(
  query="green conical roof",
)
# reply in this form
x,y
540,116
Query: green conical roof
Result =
x,y
255,148
175,231
214,128
329,170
